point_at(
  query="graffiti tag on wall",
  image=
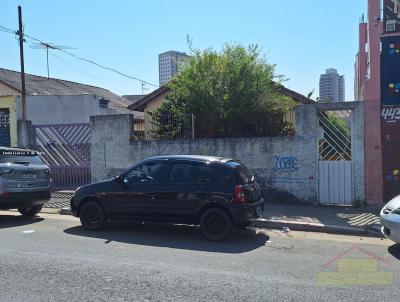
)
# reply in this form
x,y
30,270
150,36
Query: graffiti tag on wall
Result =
x,y
286,163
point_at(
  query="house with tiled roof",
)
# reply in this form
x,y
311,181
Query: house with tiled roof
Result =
x,y
52,101
67,101
152,101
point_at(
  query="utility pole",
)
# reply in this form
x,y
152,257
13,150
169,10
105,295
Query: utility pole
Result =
x,y
21,53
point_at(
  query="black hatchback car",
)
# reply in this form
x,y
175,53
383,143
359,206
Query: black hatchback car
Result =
x,y
213,192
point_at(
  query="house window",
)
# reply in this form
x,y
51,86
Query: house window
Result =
x,y
103,103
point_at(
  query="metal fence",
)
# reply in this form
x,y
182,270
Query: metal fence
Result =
x,y
164,127
335,135
168,127
253,126
66,150
69,178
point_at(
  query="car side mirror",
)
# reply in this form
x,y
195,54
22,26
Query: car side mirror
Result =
x,y
120,179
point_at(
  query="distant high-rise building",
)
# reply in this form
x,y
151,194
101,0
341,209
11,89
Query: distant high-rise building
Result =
x,y
168,64
331,86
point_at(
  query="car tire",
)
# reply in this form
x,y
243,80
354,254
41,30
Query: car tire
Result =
x,y
92,216
215,224
31,210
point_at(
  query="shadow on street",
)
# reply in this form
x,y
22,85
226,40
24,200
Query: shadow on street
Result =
x,y
10,221
394,250
174,236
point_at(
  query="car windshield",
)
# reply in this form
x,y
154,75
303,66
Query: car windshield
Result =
x,y
244,173
21,159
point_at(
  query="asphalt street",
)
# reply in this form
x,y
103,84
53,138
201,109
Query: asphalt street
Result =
x,y
51,258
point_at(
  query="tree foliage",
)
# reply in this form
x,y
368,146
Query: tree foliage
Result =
x,y
233,92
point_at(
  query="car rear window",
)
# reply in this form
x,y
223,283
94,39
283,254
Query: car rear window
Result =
x,y
225,175
204,174
183,173
244,173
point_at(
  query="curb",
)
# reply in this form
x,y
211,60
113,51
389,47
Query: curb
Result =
x,y
280,224
65,211
314,227
50,211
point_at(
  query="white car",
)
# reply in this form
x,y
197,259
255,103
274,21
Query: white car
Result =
x,y
390,219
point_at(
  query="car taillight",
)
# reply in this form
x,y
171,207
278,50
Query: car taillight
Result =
x,y
240,196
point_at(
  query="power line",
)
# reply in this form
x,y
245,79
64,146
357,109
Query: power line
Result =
x,y
8,30
94,63
84,72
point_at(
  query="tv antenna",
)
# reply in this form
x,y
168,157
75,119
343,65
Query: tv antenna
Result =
x,y
144,88
47,46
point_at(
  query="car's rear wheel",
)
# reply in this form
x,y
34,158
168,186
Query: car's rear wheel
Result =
x,y
31,210
215,224
92,216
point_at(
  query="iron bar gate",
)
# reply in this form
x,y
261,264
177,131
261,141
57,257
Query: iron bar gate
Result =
x,y
65,148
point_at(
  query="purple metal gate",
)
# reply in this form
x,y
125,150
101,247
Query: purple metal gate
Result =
x,y
65,148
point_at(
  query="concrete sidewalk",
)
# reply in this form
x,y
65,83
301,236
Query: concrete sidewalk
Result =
x,y
59,200
318,218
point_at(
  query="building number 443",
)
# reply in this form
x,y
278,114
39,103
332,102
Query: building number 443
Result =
x,y
390,114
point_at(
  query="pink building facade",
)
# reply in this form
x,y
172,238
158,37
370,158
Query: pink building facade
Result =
x,y
367,89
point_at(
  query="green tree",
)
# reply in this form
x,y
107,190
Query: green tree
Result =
x,y
234,92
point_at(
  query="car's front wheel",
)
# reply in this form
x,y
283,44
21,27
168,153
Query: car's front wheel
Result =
x,y
31,210
215,224
92,216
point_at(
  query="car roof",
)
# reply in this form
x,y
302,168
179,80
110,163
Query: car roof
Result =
x,y
193,157
2,148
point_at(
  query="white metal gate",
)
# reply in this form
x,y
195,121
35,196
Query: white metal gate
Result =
x,y
336,181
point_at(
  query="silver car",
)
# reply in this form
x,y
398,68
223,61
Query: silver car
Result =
x,y
390,219
25,181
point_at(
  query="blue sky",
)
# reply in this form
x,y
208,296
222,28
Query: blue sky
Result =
x,y
302,37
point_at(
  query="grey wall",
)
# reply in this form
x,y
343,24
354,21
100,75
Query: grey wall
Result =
x,y
62,109
285,163
24,129
288,163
